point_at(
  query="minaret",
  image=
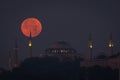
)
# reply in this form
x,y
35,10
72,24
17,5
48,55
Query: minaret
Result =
x,y
30,45
16,54
111,45
9,61
90,48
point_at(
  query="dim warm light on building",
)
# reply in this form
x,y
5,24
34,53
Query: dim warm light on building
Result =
x,y
30,43
111,45
91,46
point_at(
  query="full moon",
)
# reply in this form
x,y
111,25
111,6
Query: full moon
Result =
x,y
31,25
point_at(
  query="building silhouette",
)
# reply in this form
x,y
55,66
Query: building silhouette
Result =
x,y
64,51
61,50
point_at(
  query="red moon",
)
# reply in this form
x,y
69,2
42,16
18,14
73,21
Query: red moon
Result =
x,y
31,25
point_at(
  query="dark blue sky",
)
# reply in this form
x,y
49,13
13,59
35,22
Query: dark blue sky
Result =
x,y
70,21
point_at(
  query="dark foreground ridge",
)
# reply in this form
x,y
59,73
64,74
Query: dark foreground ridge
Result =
x,y
51,68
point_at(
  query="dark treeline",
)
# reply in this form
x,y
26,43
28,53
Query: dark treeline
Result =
x,y
51,68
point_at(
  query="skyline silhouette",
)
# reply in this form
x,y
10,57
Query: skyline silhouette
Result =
x,y
69,21
58,48
54,68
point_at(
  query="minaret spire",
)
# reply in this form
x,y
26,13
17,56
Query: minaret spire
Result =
x,y
9,61
111,45
30,45
16,53
90,48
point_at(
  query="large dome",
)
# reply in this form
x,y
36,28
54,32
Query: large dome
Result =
x,y
60,44
60,47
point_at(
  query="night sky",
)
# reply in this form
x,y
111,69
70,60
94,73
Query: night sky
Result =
x,y
70,21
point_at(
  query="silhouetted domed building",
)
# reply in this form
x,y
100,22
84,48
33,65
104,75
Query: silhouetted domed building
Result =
x,y
61,48
60,44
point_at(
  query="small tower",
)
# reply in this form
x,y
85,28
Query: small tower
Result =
x,y
9,61
16,54
111,45
30,45
90,48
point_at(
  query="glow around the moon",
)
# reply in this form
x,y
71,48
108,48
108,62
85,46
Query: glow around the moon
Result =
x,y
31,25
